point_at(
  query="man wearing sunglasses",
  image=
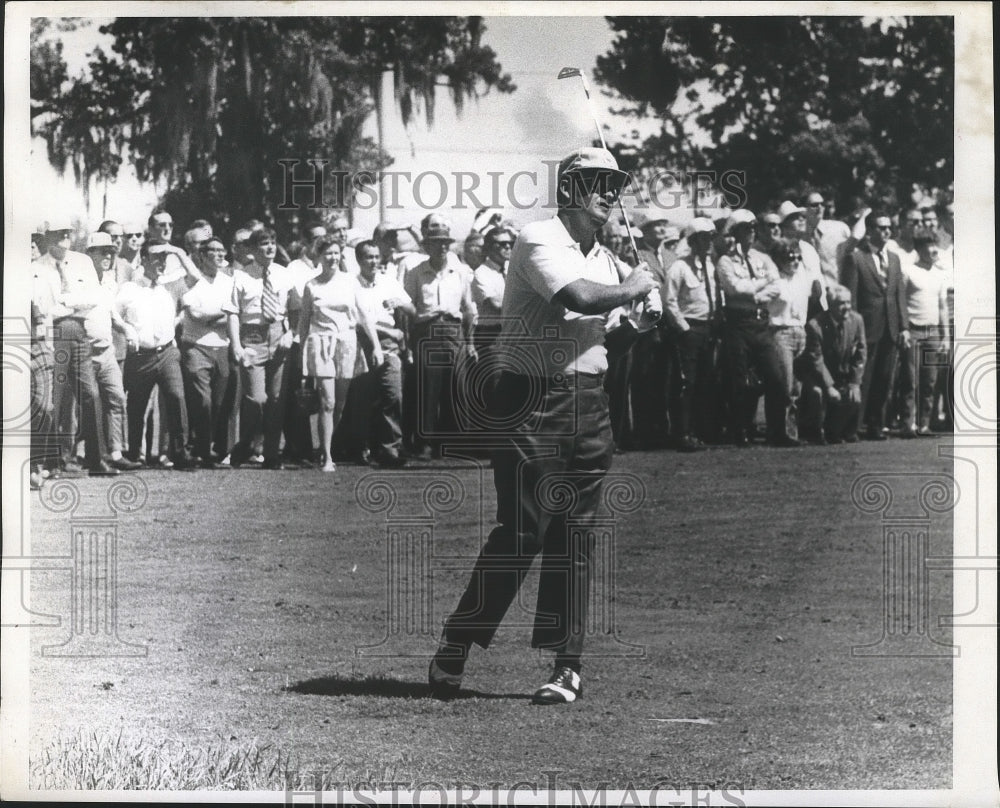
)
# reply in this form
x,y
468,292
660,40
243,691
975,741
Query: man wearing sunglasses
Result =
x,y
561,287
874,277
830,238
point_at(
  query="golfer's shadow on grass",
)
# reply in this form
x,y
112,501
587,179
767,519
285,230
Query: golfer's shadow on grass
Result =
x,y
383,687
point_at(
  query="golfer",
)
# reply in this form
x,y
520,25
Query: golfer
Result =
x,y
552,408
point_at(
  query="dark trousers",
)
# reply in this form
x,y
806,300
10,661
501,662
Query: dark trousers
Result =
x,y
74,378
298,435
823,417
145,370
692,403
210,396
477,382
533,517
919,371
438,349
380,396
876,384
44,441
649,387
616,384
750,344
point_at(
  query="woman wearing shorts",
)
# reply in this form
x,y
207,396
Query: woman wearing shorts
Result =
x,y
327,328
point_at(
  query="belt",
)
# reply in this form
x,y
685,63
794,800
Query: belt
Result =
x,y
260,333
914,327
152,351
568,381
759,315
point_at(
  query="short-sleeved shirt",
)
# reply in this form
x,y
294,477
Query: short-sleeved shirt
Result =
x,y
248,286
207,298
687,296
150,309
488,284
831,240
544,260
449,290
301,272
373,297
741,276
790,306
926,294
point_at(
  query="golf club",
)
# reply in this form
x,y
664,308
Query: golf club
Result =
x,y
652,301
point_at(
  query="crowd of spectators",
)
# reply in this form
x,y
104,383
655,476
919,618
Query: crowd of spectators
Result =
x,y
150,351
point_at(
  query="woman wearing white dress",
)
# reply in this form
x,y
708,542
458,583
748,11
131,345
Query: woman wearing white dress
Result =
x,y
328,325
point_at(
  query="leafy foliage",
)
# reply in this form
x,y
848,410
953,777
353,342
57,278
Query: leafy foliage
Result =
x,y
862,108
211,105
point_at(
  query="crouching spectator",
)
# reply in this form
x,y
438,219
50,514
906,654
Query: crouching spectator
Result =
x,y
831,370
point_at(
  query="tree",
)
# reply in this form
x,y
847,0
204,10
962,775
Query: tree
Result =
x,y
858,107
211,105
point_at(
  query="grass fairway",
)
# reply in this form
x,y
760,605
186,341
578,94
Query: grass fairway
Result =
x,y
742,583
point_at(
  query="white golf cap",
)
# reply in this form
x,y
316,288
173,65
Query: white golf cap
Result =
x,y
740,216
699,224
787,209
591,159
99,241
58,224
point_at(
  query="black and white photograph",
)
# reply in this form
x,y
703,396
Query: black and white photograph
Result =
x,y
546,404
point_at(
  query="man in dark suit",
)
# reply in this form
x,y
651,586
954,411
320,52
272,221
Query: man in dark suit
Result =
x,y
831,369
874,278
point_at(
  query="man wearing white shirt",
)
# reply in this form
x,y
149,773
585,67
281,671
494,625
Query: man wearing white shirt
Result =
x,y
440,334
102,324
793,226
749,280
381,388
788,313
153,359
561,285
926,282
297,430
691,308
260,339
831,239
72,278
209,386
489,280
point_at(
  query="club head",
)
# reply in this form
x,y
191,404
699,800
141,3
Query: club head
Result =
x,y
569,72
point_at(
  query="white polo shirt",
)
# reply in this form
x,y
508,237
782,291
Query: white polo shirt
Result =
x,y
545,259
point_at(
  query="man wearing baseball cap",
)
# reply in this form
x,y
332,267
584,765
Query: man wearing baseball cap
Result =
x,y
749,280
692,311
441,290
100,325
72,278
561,286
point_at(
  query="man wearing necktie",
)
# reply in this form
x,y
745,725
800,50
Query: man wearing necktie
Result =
x,y
690,310
874,278
62,269
260,340
750,280
831,369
